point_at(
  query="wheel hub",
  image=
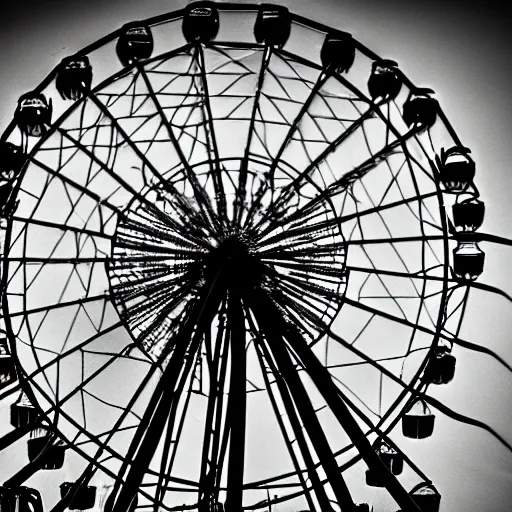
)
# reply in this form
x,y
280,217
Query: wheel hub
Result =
x,y
233,261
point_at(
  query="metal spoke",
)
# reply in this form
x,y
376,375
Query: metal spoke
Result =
x,y
211,137
242,182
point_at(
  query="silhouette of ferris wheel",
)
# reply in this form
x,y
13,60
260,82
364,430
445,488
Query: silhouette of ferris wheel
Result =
x,y
232,266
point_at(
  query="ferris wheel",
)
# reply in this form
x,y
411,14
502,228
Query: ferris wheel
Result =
x,y
237,251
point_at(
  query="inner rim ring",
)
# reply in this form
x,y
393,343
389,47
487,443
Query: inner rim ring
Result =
x,y
160,255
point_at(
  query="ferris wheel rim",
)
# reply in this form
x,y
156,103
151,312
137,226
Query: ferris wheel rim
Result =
x,y
439,195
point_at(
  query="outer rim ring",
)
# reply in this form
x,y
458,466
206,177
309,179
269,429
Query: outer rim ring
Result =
x,y
440,197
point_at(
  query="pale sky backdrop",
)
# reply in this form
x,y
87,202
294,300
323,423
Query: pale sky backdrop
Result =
x,y
462,51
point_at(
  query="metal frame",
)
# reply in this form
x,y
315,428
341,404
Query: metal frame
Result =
x,y
202,238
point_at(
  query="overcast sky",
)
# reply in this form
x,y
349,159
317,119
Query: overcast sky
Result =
x,y
462,51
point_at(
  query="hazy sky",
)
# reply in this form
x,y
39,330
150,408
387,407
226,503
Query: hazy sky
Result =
x,y
462,51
